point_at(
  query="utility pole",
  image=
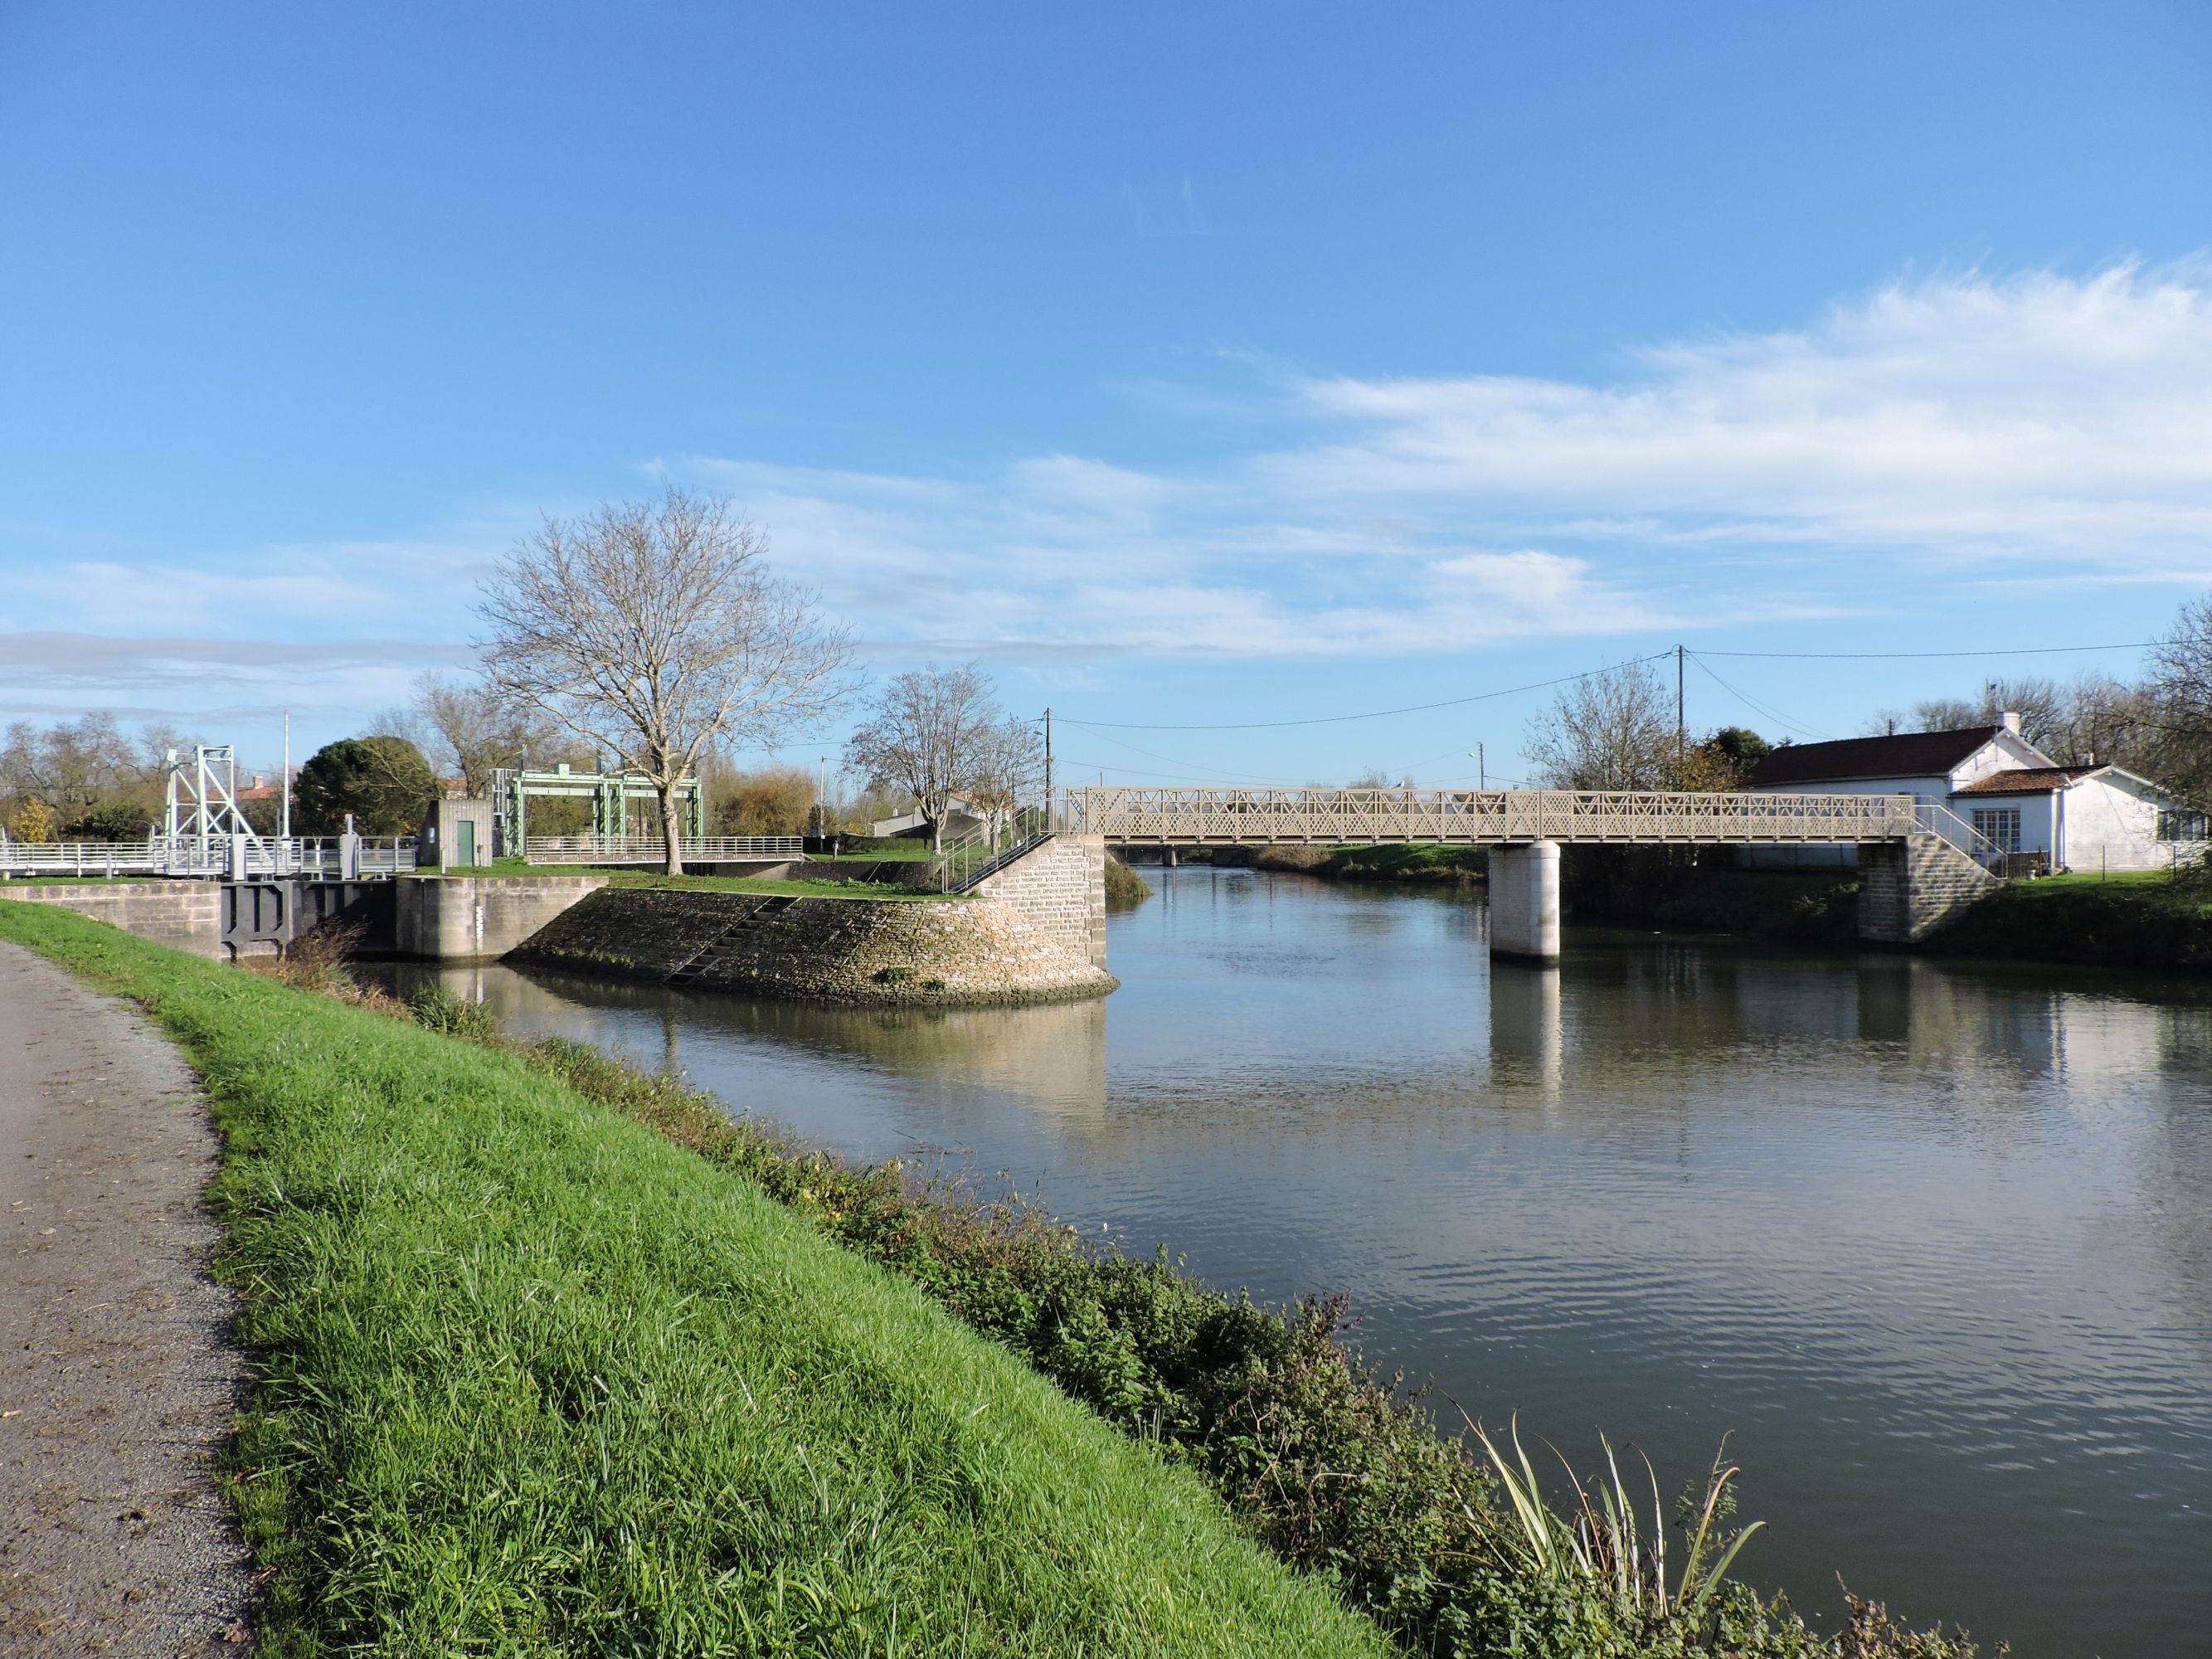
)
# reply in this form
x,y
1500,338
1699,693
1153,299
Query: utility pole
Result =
x,y
1481,768
1682,732
285,827
822,801
1047,767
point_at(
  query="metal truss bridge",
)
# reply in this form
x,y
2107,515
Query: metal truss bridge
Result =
x,y
1335,818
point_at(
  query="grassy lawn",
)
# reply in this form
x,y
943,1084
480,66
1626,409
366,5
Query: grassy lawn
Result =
x,y
536,1380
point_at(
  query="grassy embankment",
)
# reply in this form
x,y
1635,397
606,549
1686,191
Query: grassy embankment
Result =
x,y
1427,864
507,1343
534,1379
810,888
2133,921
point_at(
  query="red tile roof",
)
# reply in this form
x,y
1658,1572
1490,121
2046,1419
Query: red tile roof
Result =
x,y
2028,779
1904,755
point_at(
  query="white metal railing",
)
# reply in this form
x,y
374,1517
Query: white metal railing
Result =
x,y
1940,821
1155,817
639,849
310,857
967,859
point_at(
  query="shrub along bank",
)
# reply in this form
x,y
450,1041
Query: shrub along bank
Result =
x,y
535,1379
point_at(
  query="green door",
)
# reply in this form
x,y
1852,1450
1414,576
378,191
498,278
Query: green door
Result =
x,y
465,842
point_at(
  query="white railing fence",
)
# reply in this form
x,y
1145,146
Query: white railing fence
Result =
x,y
241,857
1342,817
591,849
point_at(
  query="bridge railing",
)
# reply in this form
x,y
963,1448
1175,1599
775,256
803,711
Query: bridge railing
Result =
x,y
213,856
640,849
969,859
1340,817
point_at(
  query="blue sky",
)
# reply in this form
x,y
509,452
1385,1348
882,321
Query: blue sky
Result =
x,y
1189,366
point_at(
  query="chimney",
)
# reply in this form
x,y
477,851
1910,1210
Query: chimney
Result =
x,y
2010,720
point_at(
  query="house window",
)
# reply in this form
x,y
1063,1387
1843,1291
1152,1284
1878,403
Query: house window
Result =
x,y
2001,824
2179,824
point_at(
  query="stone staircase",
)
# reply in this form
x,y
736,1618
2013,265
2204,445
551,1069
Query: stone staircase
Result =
x,y
704,960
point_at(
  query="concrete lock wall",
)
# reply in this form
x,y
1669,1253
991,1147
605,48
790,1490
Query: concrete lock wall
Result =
x,y
1910,888
186,915
1524,900
469,916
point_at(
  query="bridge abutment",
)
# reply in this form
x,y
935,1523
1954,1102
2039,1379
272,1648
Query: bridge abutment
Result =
x,y
1524,900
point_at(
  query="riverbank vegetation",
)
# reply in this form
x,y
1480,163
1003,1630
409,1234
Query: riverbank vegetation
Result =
x,y
2152,920
535,1379
1125,887
1339,1471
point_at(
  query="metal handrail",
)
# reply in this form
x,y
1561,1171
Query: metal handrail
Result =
x,y
980,853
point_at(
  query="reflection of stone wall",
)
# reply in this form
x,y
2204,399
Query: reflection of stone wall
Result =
x,y
186,915
971,951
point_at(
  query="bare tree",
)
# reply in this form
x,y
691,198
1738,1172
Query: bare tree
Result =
x,y
938,732
479,731
1610,731
2180,702
653,631
1009,767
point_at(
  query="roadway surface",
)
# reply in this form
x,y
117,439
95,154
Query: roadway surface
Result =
x,y
116,1384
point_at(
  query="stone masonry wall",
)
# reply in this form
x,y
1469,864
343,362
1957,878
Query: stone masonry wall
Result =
x,y
1060,888
921,951
186,915
1909,888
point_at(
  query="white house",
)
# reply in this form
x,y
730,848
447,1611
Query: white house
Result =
x,y
2083,817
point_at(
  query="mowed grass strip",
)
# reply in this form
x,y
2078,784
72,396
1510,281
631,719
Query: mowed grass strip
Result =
x,y
536,1380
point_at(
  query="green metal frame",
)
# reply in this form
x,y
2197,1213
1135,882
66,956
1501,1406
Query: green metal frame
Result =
x,y
610,793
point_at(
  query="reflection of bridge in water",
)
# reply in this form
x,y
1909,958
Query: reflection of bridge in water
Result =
x,y
1919,861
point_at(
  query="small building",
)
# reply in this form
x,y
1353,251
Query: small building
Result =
x,y
456,833
962,817
2080,816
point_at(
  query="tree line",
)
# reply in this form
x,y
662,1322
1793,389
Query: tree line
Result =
x,y
649,636
1618,731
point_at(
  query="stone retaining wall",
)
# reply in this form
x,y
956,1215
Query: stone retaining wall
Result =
x,y
1908,889
186,915
920,952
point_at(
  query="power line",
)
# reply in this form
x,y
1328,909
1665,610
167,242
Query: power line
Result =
x,y
1371,714
1892,656
1775,715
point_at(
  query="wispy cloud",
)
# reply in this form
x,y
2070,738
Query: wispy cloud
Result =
x,y
2039,431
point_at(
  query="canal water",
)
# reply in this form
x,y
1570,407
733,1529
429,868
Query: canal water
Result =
x,y
1931,1243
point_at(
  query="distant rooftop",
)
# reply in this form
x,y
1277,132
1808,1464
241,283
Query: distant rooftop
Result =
x,y
1902,754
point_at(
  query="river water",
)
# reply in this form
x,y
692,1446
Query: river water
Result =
x,y
1931,1243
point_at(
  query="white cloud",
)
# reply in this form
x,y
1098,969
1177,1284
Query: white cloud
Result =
x,y
2039,432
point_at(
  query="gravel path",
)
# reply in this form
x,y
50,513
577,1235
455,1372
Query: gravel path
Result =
x,y
115,1381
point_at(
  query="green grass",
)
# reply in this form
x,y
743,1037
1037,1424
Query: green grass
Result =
x,y
2135,921
535,1379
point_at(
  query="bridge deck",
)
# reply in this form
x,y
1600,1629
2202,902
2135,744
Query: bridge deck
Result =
x,y
1153,818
